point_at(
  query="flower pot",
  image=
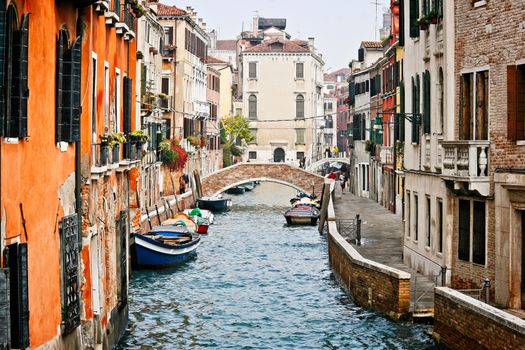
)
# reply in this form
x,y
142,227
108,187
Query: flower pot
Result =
x,y
434,20
423,26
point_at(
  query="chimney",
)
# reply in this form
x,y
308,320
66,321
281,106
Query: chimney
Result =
x,y
311,46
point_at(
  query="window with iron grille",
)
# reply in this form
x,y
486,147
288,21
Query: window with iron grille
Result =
x,y
14,80
70,259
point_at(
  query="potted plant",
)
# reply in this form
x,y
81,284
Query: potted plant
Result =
x,y
115,139
422,23
173,155
369,145
104,150
140,55
138,136
433,17
163,96
194,141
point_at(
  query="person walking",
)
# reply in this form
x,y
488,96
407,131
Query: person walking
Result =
x,y
182,185
343,180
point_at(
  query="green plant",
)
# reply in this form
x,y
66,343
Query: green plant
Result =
x,y
140,55
369,145
163,96
194,140
138,136
173,155
116,138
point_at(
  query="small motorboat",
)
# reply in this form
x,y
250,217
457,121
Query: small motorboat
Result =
x,y
248,186
203,213
197,224
302,214
236,190
163,248
213,203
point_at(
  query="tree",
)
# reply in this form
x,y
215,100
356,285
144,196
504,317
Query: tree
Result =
x,y
234,128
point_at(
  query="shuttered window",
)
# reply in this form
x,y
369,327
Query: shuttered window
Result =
x,y
5,323
19,295
478,233
17,84
4,47
361,55
252,70
252,107
299,107
68,89
351,93
414,16
127,101
70,265
415,109
401,119
426,102
516,102
401,23
299,70
473,114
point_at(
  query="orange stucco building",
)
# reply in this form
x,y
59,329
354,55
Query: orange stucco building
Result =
x,y
66,76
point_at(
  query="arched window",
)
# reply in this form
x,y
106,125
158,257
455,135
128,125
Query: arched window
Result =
x,y
299,107
252,107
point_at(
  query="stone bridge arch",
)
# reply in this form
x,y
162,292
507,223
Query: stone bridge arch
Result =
x,y
288,175
317,164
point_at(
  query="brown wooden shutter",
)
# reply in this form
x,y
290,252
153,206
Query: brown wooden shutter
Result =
x,y
511,102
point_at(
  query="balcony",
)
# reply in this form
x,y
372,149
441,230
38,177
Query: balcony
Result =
x,y
112,17
126,26
467,162
101,6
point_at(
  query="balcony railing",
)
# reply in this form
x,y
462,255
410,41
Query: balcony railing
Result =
x,y
465,159
129,19
116,7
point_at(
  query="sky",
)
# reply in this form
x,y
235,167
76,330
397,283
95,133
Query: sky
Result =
x,y
338,26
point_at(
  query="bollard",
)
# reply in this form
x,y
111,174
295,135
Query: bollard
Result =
x,y
486,285
358,229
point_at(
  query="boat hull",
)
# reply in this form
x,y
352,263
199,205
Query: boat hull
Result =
x,y
302,215
215,204
151,254
236,190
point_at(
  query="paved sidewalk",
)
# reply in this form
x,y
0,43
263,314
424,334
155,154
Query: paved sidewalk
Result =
x,y
382,239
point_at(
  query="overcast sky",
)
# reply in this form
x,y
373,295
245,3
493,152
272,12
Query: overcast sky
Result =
x,y
337,25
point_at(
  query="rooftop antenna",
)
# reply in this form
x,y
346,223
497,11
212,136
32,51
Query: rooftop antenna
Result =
x,y
376,3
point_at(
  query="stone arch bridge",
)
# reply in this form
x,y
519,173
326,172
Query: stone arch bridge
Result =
x,y
288,175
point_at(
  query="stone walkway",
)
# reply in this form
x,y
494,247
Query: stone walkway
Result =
x,y
381,241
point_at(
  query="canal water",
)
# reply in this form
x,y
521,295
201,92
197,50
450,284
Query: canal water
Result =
x,y
257,284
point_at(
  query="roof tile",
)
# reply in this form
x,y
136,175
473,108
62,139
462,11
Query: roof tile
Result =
x,y
166,10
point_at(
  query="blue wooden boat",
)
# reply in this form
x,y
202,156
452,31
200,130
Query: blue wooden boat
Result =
x,y
163,248
213,203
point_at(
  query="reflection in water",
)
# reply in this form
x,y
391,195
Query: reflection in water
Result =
x,y
257,284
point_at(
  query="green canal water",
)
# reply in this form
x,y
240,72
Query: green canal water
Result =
x,y
257,284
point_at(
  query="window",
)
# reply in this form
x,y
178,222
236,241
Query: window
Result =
x,y
429,221
300,155
299,107
440,223
299,70
471,230
415,108
165,89
252,70
416,218
127,103
15,295
117,100
253,134
68,89
299,136
252,107
106,96
168,35
238,111
474,100
328,106
407,217
94,98
516,102
441,100
13,74
426,102
414,16
252,155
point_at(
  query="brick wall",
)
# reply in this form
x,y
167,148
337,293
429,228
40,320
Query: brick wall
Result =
x,y
280,172
371,284
463,323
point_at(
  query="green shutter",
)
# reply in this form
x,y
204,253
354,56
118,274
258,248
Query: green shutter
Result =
x,y
414,15
402,111
401,23
127,104
76,81
426,102
19,295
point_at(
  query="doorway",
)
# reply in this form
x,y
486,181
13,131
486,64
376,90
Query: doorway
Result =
x,y
278,155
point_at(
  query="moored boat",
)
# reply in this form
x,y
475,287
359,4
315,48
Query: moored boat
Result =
x,y
236,190
163,248
248,186
196,224
213,203
302,214
203,213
